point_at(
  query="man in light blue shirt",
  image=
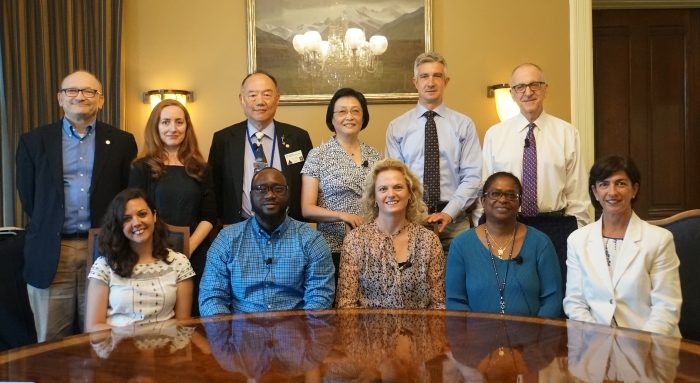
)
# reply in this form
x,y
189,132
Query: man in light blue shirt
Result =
x,y
269,261
459,150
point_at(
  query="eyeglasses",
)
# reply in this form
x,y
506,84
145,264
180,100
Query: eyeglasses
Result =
x,y
534,86
87,92
495,195
264,189
343,113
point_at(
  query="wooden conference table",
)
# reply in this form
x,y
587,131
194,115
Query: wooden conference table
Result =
x,y
358,346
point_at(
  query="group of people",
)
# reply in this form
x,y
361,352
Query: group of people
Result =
x,y
392,232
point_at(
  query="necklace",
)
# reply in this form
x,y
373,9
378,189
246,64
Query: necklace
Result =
x,y
501,286
499,249
606,245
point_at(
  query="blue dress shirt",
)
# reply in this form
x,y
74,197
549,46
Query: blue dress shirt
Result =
x,y
249,270
460,153
78,158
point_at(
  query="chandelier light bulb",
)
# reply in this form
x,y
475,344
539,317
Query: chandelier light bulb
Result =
x,y
378,44
312,41
299,43
354,38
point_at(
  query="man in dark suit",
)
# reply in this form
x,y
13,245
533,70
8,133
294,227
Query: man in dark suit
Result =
x,y
255,143
67,173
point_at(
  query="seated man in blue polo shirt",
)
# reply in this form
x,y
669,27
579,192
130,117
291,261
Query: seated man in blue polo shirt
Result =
x,y
269,261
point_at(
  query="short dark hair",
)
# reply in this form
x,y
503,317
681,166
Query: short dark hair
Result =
x,y
496,175
347,92
114,245
605,167
259,71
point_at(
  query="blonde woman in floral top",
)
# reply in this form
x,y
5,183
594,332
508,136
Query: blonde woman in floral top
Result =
x,y
392,261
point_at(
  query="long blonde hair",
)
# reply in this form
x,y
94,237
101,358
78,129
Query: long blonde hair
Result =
x,y
416,210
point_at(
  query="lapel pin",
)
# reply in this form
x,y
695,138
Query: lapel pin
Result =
x,y
108,142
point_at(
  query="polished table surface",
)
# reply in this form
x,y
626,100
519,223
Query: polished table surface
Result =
x,y
358,346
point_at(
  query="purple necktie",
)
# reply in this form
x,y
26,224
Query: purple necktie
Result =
x,y
431,166
529,197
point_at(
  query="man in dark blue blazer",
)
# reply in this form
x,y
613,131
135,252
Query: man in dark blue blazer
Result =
x,y
67,173
232,156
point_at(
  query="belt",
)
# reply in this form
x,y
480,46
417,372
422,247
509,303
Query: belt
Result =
x,y
558,213
76,235
438,208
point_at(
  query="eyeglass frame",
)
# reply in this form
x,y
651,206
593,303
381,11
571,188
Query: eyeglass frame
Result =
x,y
264,189
539,85
344,112
78,91
509,196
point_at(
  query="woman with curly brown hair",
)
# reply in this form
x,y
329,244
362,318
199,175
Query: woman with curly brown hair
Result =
x,y
137,278
392,261
173,173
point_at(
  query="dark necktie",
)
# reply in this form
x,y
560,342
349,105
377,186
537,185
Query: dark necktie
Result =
x,y
260,159
529,202
431,166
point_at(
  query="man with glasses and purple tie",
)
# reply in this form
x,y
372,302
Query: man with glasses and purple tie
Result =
x,y
269,261
67,174
544,152
441,147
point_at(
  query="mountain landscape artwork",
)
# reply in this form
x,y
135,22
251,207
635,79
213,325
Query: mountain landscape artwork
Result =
x,y
309,71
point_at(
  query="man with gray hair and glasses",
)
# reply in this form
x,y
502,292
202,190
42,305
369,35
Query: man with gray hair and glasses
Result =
x,y
67,174
544,152
441,147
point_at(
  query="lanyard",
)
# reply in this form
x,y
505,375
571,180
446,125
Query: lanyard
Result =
x,y
274,145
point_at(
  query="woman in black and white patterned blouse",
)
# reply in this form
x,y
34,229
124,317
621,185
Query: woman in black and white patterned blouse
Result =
x,y
334,172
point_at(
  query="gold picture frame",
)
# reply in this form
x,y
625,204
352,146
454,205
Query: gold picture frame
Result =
x,y
271,25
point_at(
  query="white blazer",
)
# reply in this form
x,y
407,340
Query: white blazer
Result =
x,y
644,292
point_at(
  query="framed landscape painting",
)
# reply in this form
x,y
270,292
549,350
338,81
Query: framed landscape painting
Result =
x,y
314,47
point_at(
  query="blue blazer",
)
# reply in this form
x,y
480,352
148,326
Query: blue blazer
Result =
x,y
40,187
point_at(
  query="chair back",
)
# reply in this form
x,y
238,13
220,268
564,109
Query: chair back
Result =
x,y
685,227
179,239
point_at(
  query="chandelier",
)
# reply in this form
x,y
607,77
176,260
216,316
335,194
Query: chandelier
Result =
x,y
345,56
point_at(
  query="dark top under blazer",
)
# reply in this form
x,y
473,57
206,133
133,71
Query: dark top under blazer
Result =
x,y
40,187
226,161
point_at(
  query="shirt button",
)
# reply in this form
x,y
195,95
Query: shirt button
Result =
x,y
611,301
269,242
82,208
81,174
81,158
82,189
269,307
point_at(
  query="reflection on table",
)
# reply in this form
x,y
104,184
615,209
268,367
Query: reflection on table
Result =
x,y
358,346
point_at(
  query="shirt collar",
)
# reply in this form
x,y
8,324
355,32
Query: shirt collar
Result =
x,y
420,110
521,122
71,132
259,231
269,130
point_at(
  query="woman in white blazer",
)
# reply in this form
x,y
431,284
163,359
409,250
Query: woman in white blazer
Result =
x,y
622,271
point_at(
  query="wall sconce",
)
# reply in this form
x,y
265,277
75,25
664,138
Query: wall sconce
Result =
x,y
505,106
155,96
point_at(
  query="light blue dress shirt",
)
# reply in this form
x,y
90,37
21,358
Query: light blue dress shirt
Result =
x,y
460,153
78,158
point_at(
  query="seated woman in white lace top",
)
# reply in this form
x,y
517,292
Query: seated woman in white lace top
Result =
x,y
137,279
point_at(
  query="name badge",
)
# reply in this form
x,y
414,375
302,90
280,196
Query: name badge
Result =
x,y
294,157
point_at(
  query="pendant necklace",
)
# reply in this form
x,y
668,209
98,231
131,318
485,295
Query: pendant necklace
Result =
x,y
499,249
501,285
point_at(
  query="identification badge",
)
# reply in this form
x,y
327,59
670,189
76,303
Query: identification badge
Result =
x,y
294,157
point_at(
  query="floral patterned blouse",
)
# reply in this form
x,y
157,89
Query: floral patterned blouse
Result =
x,y
371,277
340,183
